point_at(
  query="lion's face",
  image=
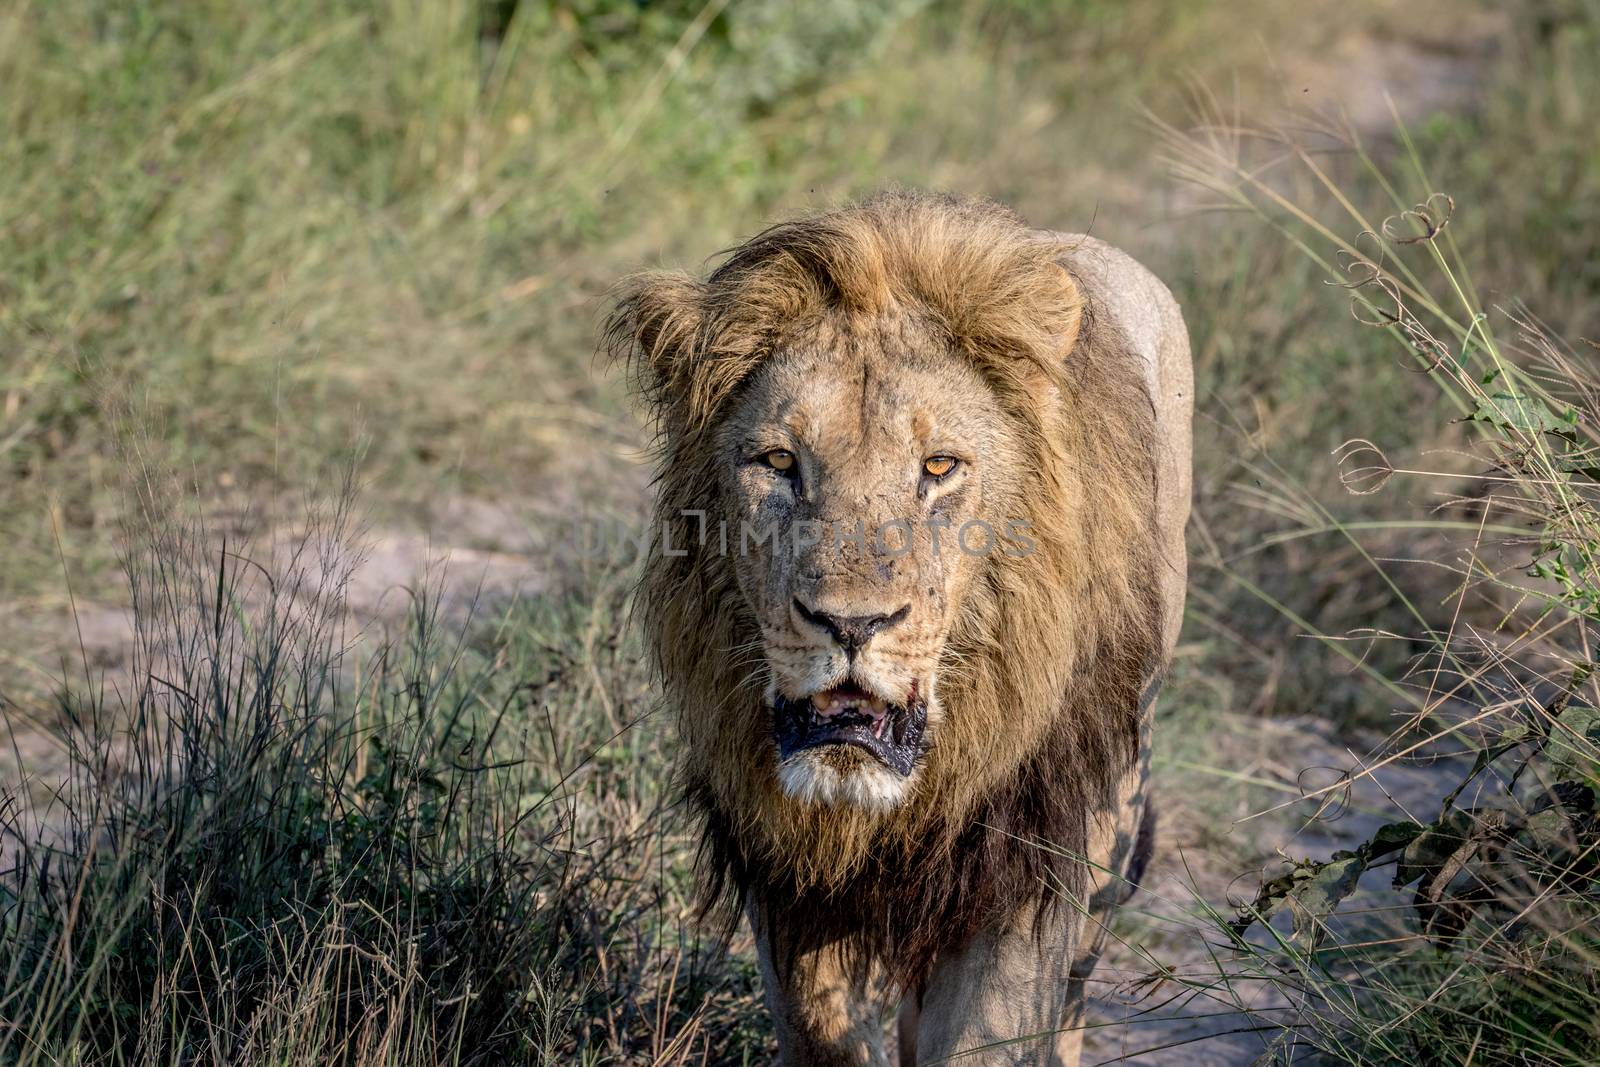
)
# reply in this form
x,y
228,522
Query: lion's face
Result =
x,y
871,475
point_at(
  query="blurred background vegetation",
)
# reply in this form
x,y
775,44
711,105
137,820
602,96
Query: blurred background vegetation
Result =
x,y
247,248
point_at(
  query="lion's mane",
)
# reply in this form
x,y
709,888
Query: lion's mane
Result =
x,y
1042,682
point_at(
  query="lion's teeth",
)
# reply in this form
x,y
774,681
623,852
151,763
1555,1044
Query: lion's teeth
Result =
x,y
830,703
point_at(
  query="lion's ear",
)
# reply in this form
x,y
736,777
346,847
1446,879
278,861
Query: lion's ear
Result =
x,y
654,325
1073,296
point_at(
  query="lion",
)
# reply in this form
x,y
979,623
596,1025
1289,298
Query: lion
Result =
x,y
923,479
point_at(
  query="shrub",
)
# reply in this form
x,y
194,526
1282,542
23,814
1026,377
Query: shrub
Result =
x,y
274,841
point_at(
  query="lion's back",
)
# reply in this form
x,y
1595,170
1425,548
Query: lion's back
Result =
x,y
1144,310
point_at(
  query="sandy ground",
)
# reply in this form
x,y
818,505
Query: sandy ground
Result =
x,y
1169,1024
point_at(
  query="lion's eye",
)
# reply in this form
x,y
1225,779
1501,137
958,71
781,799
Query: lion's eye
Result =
x,y
779,459
938,466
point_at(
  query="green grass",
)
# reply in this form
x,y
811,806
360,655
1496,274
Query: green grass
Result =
x,y
256,246
276,236
278,842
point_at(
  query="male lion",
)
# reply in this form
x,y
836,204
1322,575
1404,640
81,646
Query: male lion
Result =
x,y
923,480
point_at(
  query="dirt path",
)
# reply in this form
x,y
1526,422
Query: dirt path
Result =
x,y
1169,1025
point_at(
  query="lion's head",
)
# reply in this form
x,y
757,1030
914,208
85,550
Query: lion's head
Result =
x,y
871,471
903,529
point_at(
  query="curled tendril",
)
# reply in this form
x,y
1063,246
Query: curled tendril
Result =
x,y
1431,217
1254,880
1428,346
1365,311
1362,266
1361,270
1370,314
1363,468
1364,269
1423,342
1333,799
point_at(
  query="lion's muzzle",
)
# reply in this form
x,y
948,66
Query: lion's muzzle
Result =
x,y
893,734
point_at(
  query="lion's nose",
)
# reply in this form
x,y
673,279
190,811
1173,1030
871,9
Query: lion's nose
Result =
x,y
851,631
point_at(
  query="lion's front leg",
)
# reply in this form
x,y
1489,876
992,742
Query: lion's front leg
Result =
x,y
1002,1000
830,1010
1017,996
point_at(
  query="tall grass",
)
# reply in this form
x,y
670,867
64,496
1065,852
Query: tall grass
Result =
x,y
1491,955
274,840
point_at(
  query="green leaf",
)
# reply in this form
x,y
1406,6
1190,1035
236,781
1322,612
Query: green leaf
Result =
x,y
1429,850
1390,838
1530,415
1582,463
1318,895
1314,891
1548,833
1574,746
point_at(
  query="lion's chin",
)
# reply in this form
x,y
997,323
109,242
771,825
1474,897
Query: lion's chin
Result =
x,y
838,776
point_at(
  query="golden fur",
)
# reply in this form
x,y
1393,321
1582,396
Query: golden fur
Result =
x,y
1045,659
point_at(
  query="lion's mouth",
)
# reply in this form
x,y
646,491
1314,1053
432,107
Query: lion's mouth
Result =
x,y
849,715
